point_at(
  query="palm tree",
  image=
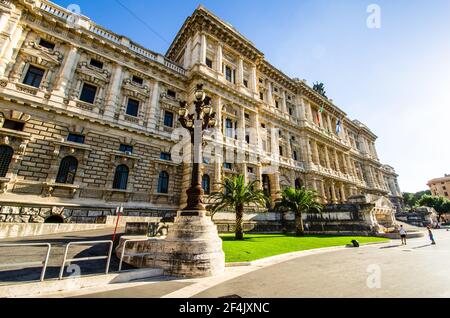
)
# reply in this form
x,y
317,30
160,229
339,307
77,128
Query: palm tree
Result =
x,y
237,194
298,201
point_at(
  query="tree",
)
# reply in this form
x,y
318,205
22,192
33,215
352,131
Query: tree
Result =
x,y
412,199
298,201
440,204
320,88
237,194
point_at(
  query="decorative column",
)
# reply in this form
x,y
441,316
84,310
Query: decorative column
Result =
x,y
269,95
343,196
316,153
113,94
219,58
67,70
327,158
322,190
253,79
154,107
288,145
259,176
7,50
188,54
203,47
283,103
240,72
333,193
336,160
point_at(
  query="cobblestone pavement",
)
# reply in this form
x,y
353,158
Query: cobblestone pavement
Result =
x,y
29,254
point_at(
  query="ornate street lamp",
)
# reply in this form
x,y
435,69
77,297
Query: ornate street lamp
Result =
x,y
196,124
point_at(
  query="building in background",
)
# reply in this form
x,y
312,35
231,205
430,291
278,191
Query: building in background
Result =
x,y
87,118
440,186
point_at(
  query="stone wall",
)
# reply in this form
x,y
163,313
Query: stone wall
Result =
x,y
77,215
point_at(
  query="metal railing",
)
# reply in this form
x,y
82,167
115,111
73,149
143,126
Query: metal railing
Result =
x,y
91,258
43,263
122,255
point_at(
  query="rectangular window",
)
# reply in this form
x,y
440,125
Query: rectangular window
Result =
x,y
79,139
137,80
96,63
229,128
290,111
126,148
294,155
228,74
47,44
132,107
276,104
165,156
227,165
281,151
209,63
247,116
168,119
171,93
250,169
88,93
246,83
261,96
13,125
34,76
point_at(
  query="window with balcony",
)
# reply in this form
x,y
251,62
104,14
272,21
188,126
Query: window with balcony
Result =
x,y
67,170
132,107
163,182
209,62
168,119
34,76
121,177
229,74
88,93
206,184
229,128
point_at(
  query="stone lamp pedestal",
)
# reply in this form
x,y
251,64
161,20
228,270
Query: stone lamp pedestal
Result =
x,y
193,246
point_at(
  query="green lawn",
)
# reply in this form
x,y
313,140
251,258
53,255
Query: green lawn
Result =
x,y
256,246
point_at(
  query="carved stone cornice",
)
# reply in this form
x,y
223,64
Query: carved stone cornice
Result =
x,y
204,21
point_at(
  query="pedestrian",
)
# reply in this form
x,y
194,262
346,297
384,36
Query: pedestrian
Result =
x,y
430,234
403,234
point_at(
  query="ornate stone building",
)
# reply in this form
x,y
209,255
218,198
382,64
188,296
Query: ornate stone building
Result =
x,y
87,119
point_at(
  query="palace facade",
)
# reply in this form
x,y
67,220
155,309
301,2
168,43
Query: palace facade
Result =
x,y
87,120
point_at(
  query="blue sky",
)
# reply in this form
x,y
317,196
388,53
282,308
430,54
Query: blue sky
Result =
x,y
395,79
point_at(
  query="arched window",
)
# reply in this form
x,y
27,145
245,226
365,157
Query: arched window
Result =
x,y
121,177
6,154
67,170
163,182
206,184
298,183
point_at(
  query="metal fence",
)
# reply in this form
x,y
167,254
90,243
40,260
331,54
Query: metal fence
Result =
x,y
90,258
43,263
122,255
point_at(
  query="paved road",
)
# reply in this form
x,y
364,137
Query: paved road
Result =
x,y
58,241
415,270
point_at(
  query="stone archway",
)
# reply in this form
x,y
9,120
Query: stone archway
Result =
x,y
54,219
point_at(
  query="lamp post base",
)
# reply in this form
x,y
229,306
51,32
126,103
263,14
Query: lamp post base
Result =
x,y
193,246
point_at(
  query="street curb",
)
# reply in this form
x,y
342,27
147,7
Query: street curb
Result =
x,y
36,289
282,257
